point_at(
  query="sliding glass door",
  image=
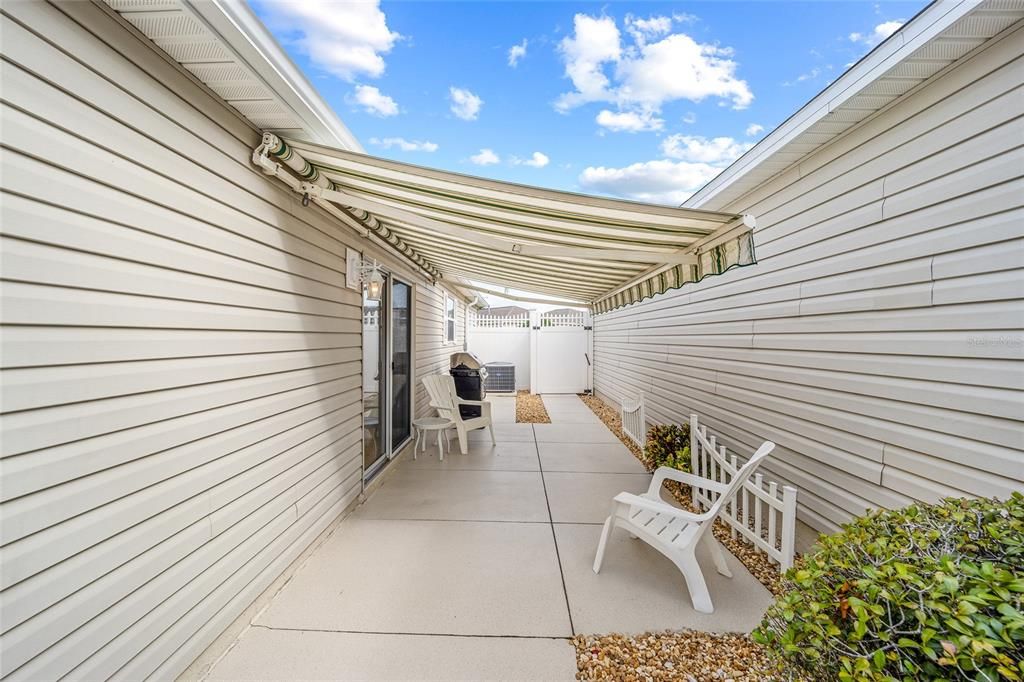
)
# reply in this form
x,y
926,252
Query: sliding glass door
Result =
x,y
401,362
387,374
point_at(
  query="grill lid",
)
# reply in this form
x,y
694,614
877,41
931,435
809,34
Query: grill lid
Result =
x,y
467,360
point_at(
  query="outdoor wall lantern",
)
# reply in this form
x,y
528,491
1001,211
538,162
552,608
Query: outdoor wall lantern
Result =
x,y
373,280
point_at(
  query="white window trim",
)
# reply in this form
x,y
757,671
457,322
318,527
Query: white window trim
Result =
x,y
445,319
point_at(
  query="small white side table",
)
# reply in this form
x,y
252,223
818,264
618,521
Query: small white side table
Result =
x,y
439,424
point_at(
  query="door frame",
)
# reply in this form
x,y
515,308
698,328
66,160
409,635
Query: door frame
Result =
x,y
389,449
395,448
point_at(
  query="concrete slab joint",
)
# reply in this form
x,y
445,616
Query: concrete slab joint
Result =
x,y
479,566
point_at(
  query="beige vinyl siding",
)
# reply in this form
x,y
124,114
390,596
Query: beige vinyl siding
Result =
x,y
432,352
181,358
878,339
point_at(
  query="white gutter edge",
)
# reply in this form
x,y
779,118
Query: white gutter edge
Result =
x,y
928,24
243,33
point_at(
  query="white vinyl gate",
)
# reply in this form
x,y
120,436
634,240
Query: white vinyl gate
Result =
x,y
562,353
552,352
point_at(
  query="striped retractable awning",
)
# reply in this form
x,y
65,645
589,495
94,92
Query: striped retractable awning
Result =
x,y
601,252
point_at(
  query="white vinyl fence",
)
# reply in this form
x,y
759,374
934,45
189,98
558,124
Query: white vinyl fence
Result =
x,y
371,348
634,421
552,352
477,321
759,513
574,318
504,338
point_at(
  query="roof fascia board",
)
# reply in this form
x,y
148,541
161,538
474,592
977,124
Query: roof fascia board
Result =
x,y
928,24
244,34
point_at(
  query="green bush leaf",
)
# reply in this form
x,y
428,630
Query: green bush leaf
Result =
x,y
944,581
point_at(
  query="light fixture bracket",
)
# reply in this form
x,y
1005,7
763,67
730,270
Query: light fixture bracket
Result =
x,y
364,275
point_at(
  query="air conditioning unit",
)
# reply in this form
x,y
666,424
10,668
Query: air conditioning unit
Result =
x,y
501,377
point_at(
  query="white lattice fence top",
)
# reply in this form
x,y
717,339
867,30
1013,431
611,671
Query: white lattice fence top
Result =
x,y
762,513
484,321
371,317
576,318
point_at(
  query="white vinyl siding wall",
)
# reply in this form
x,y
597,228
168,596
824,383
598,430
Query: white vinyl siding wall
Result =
x,y
181,358
878,341
432,351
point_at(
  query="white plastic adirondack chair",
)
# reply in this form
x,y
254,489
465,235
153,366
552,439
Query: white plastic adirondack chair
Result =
x,y
674,532
441,389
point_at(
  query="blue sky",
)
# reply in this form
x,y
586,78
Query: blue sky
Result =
x,y
640,100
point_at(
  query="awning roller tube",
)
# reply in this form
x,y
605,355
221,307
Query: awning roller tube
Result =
x,y
510,227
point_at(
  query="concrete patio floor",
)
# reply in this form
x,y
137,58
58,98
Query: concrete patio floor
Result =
x,y
479,567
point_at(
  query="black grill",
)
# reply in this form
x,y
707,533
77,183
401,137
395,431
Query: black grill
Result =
x,y
470,377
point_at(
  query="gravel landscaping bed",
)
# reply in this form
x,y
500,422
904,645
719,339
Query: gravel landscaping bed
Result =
x,y
530,409
759,565
685,655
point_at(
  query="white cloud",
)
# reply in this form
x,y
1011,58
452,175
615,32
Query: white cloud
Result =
x,y
661,181
678,67
594,42
754,129
641,77
374,101
629,121
537,160
716,151
404,144
486,157
886,29
806,76
690,117
813,73
692,162
347,41
880,33
516,52
643,30
465,104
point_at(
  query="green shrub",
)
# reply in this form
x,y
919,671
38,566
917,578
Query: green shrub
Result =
x,y
929,592
669,445
680,459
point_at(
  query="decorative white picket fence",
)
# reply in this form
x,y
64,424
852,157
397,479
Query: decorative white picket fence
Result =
x,y
634,421
485,321
574,318
758,513
371,317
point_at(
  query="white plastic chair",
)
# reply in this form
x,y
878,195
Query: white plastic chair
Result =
x,y
674,532
441,389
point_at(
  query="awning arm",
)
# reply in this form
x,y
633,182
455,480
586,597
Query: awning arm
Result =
x,y
501,245
260,158
731,230
273,168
